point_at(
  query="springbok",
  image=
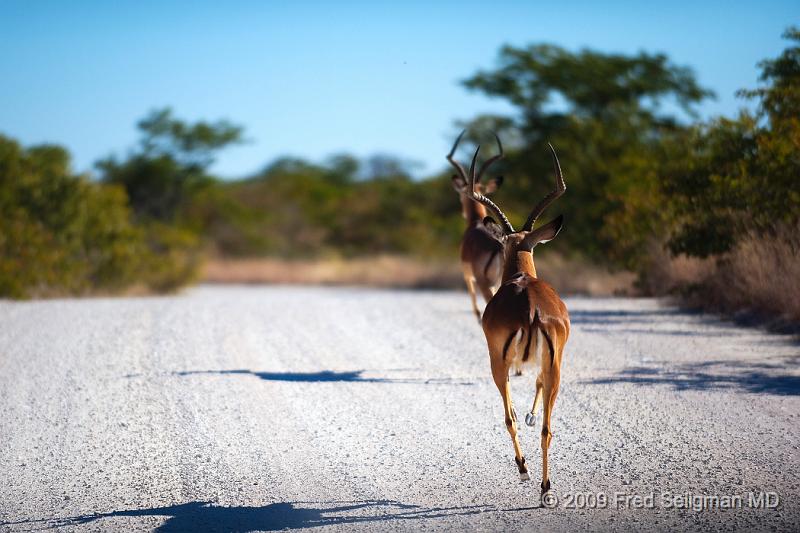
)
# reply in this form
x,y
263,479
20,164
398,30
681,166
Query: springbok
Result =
x,y
481,248
526,319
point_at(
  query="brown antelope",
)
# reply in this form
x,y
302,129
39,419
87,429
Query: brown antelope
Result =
x,y
481,248
526,320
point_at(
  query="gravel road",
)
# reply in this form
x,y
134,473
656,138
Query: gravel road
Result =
x,y
267,408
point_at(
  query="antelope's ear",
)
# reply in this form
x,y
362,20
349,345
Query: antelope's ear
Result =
x,y
495,229
544,233
493,184
458,183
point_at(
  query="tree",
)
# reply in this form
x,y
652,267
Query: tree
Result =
x,y
171,163
737,176
605,114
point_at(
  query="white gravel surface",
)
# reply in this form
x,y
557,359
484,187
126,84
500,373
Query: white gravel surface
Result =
x,y
247,409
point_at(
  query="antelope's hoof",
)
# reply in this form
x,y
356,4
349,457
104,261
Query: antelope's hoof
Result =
x,y
523,471
530,419
545,486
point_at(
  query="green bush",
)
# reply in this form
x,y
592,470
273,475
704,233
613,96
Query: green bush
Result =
x,y
30,261
64,234
738,177
172,258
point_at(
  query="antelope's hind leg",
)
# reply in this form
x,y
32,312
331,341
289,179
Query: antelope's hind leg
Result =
x,y
470,281
551,381
500,375
530,418
486,289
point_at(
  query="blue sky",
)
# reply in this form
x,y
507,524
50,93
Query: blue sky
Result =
x,y
312,79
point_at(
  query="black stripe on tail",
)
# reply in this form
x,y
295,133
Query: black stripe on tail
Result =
x,y
537,323
508,343
528,345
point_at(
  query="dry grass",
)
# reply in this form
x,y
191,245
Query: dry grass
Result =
x,y
760,278
569,277
379,271
762,275
668,275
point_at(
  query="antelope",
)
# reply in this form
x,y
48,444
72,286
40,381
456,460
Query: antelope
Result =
x,y
525,320
481,248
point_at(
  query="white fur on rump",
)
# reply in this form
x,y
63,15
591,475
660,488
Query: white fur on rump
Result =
x,y
535,355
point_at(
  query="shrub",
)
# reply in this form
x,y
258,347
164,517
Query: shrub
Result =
x,y
759,277
64,234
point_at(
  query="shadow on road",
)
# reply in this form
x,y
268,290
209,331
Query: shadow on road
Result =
x,y
605,317
757,378
653,331
643,321
324,376
205,516
307,377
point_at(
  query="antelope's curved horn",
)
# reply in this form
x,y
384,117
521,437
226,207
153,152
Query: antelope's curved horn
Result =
x,y
547,200
491,160
455,163
507,227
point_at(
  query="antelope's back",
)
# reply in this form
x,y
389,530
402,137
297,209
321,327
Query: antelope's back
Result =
x,y
513,307
479,246
507,311
552,309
